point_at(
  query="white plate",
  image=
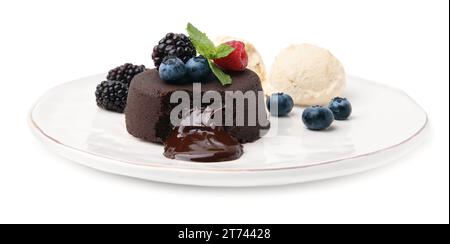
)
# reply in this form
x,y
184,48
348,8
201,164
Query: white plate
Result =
x,y
382,126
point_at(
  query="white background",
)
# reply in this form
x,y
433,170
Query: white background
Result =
x,y
44,43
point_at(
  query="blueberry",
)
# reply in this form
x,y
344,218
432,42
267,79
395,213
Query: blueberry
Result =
x,y
317,118
172,69
341,108
198,69
284,103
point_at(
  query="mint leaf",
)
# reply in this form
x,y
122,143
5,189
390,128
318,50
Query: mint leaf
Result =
x,y
201,42
223,78
223,50
207,49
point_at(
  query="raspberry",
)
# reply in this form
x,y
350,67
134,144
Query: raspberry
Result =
x,y
235,61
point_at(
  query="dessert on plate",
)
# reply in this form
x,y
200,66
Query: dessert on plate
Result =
x,y
148,107
203,100
220,73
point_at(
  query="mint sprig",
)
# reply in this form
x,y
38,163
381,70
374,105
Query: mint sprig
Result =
x,y
207,49
222,51
224,78
201,41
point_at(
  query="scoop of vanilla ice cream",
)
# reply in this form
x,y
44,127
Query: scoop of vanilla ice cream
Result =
x,y
255,62
310,74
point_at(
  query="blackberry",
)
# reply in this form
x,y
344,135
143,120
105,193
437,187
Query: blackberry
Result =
x,y
172,44
125,73
112,95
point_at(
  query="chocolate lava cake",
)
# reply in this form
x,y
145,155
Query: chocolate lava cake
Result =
x,y
148,106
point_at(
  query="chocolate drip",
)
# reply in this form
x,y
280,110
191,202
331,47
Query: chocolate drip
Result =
x,y
202,144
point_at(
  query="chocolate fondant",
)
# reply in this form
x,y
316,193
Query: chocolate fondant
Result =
x,y
148,105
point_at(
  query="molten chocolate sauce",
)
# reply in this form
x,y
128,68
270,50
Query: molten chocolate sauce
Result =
x,y
202,144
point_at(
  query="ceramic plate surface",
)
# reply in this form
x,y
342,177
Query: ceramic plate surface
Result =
x,y
383,126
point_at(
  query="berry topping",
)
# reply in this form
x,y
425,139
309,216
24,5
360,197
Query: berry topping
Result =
x,y
198,69
112,95
177,45
283,102
317,118
341,108
235,61
172,69
125,73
